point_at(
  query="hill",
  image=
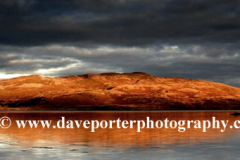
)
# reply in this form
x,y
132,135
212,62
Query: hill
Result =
x,y
113,91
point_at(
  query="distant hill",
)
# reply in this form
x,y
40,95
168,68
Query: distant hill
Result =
x,y
113,91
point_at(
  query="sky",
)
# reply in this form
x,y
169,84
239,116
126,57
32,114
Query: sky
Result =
x,y
196,39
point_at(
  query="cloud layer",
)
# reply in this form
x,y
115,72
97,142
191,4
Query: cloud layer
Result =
x,y
191,39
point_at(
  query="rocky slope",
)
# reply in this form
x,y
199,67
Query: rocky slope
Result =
x,y
112,91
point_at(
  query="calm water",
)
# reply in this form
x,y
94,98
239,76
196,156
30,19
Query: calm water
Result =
x,y
119,143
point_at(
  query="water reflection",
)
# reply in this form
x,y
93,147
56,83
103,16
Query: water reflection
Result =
x,y
43,142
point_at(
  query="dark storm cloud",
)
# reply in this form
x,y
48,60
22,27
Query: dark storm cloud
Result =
x,y
177,38
133,22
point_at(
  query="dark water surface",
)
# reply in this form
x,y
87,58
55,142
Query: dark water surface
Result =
x,y
115,143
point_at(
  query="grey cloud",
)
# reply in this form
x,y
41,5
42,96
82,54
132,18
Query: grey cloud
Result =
x,y
192,39
120,22
27,64
189,61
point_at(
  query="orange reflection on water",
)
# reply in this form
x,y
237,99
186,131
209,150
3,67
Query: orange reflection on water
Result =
x,y
117,137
